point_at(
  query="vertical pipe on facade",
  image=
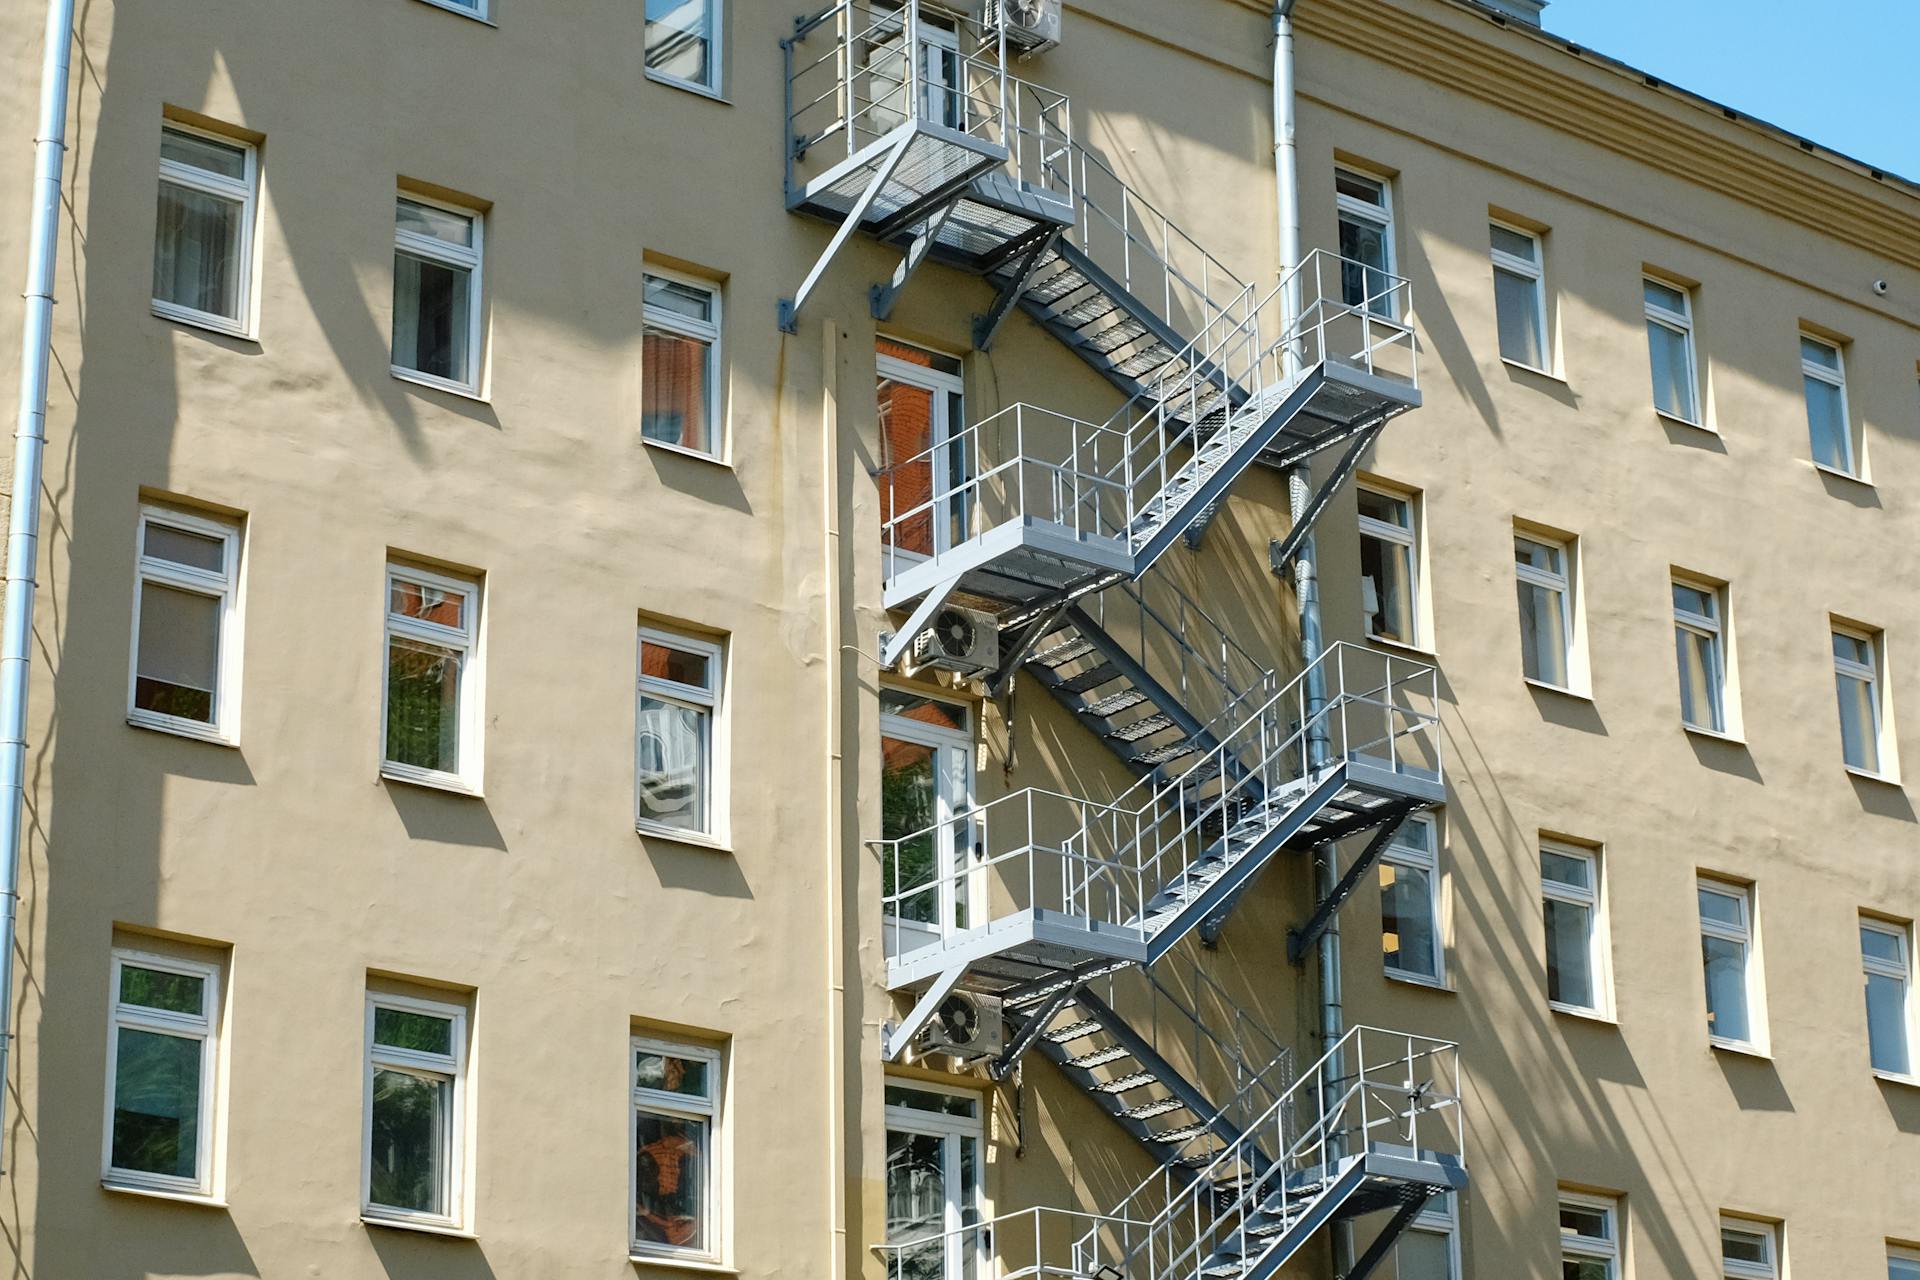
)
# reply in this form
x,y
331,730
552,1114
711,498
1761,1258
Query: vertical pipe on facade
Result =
x,y
836,919
23,532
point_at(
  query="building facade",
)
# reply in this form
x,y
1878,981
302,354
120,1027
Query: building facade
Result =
x,y
480,821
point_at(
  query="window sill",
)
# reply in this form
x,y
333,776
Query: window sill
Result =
x,y
447,385
1584,1015
705,1266
1548,374
1739,1049
160,1193
688,86
711,459
1716,735
1560,689
1420,980
432,781
1674,419
1838,474
673,835
1868,775
464,12
202,320
181,729
1402,646
424,1228
1895,1078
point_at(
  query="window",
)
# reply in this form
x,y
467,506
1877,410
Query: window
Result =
x,y
680,365
683,43
1890,1016
1366,241
925,501
1700,647
1519,296
1749,1250
679,696
676,1117
436,294
1823,372
1676,375
1410,901
185,672
1576,941
1546,609
416,1109
1856,675
934,1172
432,714
1903,1264
203,235
1430,1247
926,781
1726,945
472,8
1389,565
160,1064
1589,1238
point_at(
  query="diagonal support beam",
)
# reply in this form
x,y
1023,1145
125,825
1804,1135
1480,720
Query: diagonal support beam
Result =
x,y
1012,659
1301,940
1280,554
893,647
1382,1245
1002,1067
884,297
987,327
895,1039
790,307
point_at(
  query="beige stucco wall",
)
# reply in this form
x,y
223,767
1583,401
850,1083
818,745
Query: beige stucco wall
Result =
x,y
567,928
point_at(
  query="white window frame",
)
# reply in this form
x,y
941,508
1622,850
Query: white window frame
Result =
x,y
1439,1218
451,1066
1680,322
1714,630
683,1107
1407,536
1398,853
204,1027
473,259
1877,699
1835,377
947,390
1562,582
466,640
1903,973
1378,215
950,1129
1534,272
1594,898
479,10
954,795
225,588
716,54
247,192
707,331
1766,1231
1910,1258
712,824
1586,1248
1745,935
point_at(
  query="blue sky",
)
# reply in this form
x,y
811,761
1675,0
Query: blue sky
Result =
x,y
1841,73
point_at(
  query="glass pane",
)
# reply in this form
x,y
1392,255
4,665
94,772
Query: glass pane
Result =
x,y
431,317
1820,353
427,604
176,670
407,1164
917,1197
194,550
1368,190
1665,296
680,39
1363,274
1695,600
1536,555
1408,935
222,158
1859,723
196,251
671,1073
670,1181
1879,944
1887,1023
681,666
1584,1221
911,706
681,299
1699,659
159,989
1586,1269
1726,970
405,1029
1737,1245
1728,909
1386,589
672,769
944,1104
1523,247
440,224
906,474
675,395
1570,954
1422,1255
156,1104
1853,649
909,799
1827,425
1903,1269
1517,301
1384,508
423,705
1563,869
1672,371
1543,634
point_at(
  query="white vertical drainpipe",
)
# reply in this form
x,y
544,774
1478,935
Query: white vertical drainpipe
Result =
x,y
1286,181
23,533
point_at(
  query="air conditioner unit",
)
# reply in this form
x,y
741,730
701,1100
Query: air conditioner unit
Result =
x,y
966,1025
962,640
1032,26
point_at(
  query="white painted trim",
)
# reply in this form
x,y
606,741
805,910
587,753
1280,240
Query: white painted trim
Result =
x,y
1605,1249
708,702
1599,946
224,587
1765,1232
466,641
472,259
451,1067
1399,853
1746,936
245,193
709,1111
716,56
712,332
203,1027
1680,322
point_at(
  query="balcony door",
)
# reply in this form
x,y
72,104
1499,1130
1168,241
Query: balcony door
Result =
x,y
924,454
933,1183
942,71
926,780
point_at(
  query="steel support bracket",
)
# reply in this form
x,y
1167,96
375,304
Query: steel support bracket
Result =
x,y
893,647
884,297
1382,1245
790,307
1281,552
987,327
895,1038
1002,1067
1012,660
1300,941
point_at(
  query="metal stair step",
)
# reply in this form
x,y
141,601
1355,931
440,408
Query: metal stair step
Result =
x,y
1148,1110
1075,1031
1162,754
1105,707
1127,1083
1059,655
1105,673
1145,726
1099,1057
1180,1134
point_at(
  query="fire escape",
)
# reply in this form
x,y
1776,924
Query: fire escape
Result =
x,y
905,126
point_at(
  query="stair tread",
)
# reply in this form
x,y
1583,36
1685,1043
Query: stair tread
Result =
x,y
1105,673
1061,654
1126,1083
1099,1057
1145,726
1075,1031
1158,1107
1105,707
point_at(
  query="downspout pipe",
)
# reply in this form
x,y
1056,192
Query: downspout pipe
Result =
x,y
23,531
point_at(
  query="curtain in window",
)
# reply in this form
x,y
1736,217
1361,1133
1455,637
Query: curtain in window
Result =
x,y
195,253
673,390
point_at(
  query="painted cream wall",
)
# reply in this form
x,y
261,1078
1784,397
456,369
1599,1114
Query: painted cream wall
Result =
x,y
567,927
